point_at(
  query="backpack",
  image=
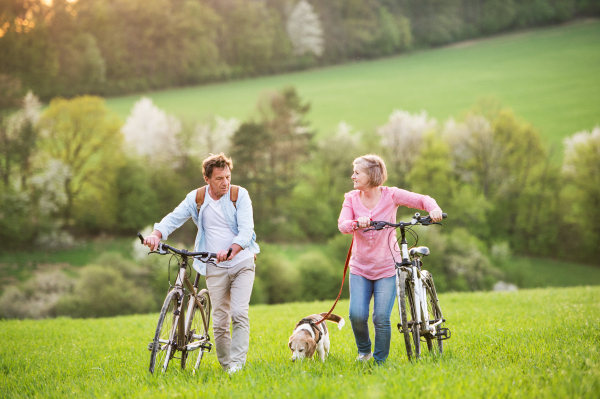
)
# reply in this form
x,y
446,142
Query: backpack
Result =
x,y
201,192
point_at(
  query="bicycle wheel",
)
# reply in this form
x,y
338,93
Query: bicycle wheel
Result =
x,y
163,347
408,318
197,324
435,314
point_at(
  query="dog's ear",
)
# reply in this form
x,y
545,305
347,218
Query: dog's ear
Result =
x,y
312,346
290,344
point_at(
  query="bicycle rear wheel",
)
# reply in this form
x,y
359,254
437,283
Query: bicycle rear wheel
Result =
x,y
408,327
434,344
163,345
198,322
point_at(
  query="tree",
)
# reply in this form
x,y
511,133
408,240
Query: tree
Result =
x,y
581,169
152,133
304,30
402,138
267,155
85,136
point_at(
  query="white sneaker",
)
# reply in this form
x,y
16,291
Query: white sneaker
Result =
x,y
234,369
364,358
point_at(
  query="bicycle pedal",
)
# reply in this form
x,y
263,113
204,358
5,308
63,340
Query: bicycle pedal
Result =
x,y
151,346
443,334
206,347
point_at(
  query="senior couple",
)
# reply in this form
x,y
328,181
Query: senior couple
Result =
x,y
226,223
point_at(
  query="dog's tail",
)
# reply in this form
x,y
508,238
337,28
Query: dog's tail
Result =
x,y
335,318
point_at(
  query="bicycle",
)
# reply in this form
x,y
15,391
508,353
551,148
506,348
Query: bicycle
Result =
x,y
418,304
176,331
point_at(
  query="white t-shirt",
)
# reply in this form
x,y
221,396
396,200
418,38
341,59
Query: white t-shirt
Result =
x,y
218,235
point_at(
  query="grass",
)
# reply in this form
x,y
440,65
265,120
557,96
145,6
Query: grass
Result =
x,y
541,343
549,76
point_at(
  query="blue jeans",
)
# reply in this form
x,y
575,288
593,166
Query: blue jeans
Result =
x,y
384,293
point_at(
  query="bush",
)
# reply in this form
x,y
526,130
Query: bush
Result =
x,y
37,298
112,287
276,279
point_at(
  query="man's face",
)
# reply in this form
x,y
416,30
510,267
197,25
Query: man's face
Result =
x,y
219,181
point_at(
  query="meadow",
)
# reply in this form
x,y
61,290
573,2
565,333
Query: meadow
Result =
x,y
549,76
531,343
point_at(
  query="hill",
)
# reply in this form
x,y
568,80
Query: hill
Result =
x,y
548,76
531,343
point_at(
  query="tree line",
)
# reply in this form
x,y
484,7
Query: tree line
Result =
x,y
106,47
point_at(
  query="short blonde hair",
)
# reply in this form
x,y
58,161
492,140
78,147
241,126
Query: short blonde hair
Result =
x,y
374,167
215,161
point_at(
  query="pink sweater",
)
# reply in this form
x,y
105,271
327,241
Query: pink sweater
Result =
x,y
371,257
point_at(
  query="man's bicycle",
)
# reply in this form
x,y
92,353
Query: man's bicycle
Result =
x,y
186,332
418,304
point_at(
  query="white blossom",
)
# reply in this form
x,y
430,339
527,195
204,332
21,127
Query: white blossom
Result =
x,y
576,143
212,139
29,113
304,30
403,136
51,183
345,133
152,132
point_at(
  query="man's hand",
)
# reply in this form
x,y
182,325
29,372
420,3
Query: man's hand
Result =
x,y
436,215
153,240
222,255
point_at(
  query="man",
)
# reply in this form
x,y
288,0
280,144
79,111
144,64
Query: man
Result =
x,y
222,226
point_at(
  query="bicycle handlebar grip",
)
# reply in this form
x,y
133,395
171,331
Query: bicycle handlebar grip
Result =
x,y
229,252
444,215
141,237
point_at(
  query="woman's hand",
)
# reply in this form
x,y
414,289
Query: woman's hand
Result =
x,y
363,222
436,215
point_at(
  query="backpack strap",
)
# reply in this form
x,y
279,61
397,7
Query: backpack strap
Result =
x,y
201,192
233,195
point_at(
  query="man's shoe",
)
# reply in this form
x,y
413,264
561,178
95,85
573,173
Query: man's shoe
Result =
x,y
234,369
364,358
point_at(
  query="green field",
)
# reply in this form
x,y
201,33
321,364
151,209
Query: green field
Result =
x,y
532,343
549,76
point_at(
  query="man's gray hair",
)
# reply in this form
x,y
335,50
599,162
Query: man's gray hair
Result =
x,y
374,167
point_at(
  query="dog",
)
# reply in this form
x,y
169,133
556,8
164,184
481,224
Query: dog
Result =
x,y
309,337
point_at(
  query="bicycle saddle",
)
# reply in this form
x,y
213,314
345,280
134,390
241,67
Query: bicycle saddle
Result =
x,y
422,251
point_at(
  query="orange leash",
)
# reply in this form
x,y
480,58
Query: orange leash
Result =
x,y
343,279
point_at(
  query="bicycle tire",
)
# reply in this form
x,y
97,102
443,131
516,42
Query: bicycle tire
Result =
x,y
166,330
196,330
409,329
435,313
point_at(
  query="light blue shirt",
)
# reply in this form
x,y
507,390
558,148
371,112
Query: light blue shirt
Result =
x,y
239,219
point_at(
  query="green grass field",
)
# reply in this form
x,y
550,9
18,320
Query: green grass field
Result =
x,y
533,343
549,76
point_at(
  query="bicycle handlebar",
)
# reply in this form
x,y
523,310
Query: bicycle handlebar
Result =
x,y
164,249
417,219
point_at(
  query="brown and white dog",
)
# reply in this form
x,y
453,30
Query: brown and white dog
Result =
x,y
309,337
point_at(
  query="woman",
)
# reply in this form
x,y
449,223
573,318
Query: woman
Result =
x,y
372,268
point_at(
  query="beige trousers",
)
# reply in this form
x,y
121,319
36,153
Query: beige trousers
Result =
x,y
230,290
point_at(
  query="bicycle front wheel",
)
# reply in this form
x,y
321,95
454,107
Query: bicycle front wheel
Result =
x,y
198,323
163,344
434,343
408,316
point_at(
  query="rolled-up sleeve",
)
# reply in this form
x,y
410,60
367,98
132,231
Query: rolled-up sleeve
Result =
x,y
245,220
414,200
176,218
346,218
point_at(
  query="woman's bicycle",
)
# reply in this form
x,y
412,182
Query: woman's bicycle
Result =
x,y
418,304
178,331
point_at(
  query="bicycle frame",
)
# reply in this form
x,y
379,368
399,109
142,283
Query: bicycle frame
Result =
x,y
413,267
181,344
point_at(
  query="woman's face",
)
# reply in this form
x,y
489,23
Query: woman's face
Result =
x,y
360,178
